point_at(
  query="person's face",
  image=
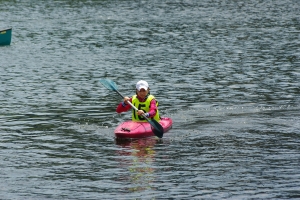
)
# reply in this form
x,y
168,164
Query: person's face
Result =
x,y
142,93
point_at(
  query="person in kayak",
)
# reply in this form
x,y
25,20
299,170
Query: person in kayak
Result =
x,y
143,101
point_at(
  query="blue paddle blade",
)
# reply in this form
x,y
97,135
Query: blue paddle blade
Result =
x,y
109,84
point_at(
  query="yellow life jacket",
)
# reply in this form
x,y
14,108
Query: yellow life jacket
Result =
x,y
145,106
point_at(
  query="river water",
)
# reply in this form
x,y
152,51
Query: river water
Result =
x,y
226,72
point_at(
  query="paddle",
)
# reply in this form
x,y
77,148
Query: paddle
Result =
x,y
157,129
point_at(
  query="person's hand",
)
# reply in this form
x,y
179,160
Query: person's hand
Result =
x,y
126,99
140,112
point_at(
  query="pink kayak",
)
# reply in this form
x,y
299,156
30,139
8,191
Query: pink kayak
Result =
x,y
131,129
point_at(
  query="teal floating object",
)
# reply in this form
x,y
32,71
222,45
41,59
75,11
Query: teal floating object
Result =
x,y
5,36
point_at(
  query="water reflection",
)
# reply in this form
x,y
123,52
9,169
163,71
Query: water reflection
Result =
x,y
138,158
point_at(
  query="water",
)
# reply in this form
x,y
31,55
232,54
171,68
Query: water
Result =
x,y
226,72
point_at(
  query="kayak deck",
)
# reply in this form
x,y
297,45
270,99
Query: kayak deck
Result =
x,y
131,129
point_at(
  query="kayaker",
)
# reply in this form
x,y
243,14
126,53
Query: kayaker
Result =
x,y
143,100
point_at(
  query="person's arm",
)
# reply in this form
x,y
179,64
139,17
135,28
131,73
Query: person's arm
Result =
x,y
123,107
153,109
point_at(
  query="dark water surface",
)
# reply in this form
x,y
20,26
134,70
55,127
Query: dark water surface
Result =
x,y
226,72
